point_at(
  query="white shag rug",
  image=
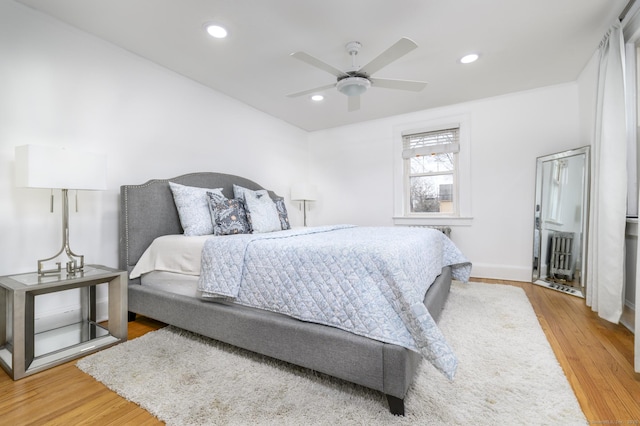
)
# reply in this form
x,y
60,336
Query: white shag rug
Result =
x,y
507,375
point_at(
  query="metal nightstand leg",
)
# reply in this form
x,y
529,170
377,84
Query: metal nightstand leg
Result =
x,y
118,302
18,358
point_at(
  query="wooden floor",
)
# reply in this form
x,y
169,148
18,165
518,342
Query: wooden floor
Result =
x,y
596,356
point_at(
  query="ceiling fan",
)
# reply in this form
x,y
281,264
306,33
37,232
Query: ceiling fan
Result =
x,y
357,80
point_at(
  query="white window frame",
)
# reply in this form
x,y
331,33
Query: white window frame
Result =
x,y
462,180
452,148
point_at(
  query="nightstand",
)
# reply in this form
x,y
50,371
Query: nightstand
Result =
x,y
24,352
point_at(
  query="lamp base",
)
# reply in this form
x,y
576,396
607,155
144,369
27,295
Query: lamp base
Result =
x,y
74,263
304,215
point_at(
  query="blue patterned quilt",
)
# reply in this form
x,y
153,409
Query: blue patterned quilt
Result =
x,y
370,281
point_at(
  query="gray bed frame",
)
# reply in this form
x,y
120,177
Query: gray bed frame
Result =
x,y
148,212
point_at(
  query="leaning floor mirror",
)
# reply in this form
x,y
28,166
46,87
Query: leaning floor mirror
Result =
x,y
561,220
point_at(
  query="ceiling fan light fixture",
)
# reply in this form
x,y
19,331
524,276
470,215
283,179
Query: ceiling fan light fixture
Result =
x,y
353,86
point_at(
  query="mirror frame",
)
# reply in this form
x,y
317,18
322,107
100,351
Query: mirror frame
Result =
x,y
584,227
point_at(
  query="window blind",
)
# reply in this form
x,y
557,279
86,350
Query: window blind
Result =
x,y
431,142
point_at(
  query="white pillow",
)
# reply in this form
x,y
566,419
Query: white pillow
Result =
x,y
193,208
262,212
239,191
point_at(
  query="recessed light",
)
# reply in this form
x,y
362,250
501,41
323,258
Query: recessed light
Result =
x,y
317,98
467,59
216,31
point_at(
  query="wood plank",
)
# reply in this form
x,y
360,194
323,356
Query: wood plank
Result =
x,y
65,395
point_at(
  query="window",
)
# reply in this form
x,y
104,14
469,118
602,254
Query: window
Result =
x,y
434,155
431,171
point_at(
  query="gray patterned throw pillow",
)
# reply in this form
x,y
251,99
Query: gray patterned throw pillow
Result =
x,y
228,216
282,213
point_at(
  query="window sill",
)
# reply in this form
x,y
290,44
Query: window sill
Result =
x,y
432,221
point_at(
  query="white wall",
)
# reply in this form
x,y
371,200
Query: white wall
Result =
x,y
63,87
60,86
353,169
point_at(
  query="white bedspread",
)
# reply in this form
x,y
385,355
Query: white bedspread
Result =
x,y
369,281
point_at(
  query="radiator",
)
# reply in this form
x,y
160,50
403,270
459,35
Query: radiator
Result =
x,y
561,255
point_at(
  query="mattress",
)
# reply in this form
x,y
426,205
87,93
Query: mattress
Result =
x,y
172,264
172,282
171,253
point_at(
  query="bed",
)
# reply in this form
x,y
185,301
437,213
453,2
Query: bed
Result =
x,y
149,215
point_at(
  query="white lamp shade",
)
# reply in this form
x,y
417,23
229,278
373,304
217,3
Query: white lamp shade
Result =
x,y
56,167
303,191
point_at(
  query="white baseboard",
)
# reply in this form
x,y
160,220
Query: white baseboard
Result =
x,y
501,272
68,315
628,318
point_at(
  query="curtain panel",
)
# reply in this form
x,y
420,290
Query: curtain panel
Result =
x,y
605,255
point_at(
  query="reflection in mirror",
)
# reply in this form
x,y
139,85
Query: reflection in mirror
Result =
x,y
560,221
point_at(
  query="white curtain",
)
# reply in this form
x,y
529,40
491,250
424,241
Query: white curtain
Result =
x,y
605,252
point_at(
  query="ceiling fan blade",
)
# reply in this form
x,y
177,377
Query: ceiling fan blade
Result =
x,y
310,91
387,83
401,48
353,103
305,57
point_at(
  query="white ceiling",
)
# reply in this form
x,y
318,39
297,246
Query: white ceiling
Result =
x,y
523,45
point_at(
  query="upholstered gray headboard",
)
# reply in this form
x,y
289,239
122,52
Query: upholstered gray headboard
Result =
x,y
147,211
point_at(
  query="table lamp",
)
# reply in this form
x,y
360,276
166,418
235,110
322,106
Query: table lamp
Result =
x,y
59,168
303,192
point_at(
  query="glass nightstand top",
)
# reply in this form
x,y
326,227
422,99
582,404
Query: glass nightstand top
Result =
x,y
33,278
